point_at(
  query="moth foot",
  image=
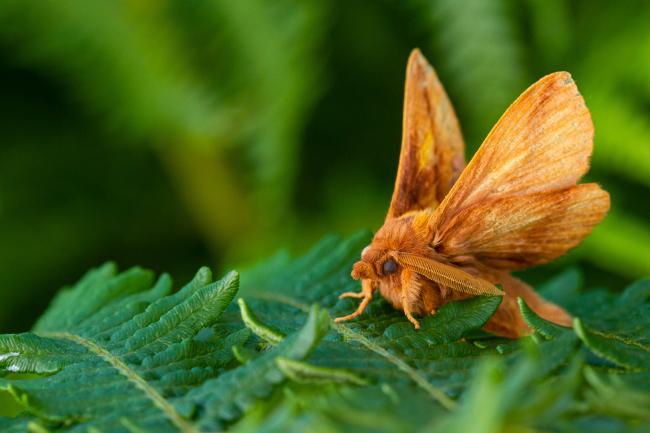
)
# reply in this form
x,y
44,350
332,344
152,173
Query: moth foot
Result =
x,y
362,306
413,320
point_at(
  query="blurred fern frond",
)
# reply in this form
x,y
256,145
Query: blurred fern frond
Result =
x,y
479,52
136,67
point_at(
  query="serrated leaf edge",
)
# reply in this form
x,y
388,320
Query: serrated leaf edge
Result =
x,y
586,336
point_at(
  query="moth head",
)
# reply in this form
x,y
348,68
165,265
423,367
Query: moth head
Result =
x,y
380,261
375,263
386,266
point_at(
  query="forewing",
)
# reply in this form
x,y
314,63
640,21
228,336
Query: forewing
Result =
x,y
516,232
432,154
542,143
517,203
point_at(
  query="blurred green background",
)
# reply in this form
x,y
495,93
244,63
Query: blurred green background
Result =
x,y
172,134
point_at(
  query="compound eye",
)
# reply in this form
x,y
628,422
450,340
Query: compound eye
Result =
x,y
390,267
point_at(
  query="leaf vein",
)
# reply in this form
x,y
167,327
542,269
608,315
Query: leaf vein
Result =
x,y
158,400
345,331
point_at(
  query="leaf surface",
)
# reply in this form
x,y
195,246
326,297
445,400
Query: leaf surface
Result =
x,y
125,353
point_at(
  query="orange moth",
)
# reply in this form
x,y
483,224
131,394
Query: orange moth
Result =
x,y
454,231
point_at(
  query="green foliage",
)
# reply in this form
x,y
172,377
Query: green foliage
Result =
x,y
136,129
125,353
470,38
167,89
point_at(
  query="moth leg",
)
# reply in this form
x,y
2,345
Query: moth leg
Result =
x,y
412,319
431,297
357,295
367,288
411,289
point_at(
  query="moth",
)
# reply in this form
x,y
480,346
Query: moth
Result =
x,y
455,231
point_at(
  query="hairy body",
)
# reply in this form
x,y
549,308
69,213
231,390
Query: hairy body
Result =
x,y
417,295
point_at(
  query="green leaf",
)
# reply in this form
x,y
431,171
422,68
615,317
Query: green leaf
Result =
x,y
614,347
563,287
98,287
120,352
225,397
619,393
381,341
14,425
130,353
439,360
546,329
267,333
306,373
516,398
619,330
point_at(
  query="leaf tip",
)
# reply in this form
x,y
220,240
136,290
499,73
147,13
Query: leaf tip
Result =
x,y
265,332
203,276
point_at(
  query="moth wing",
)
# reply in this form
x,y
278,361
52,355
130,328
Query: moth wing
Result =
x,y
541,144
517,232
432,153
